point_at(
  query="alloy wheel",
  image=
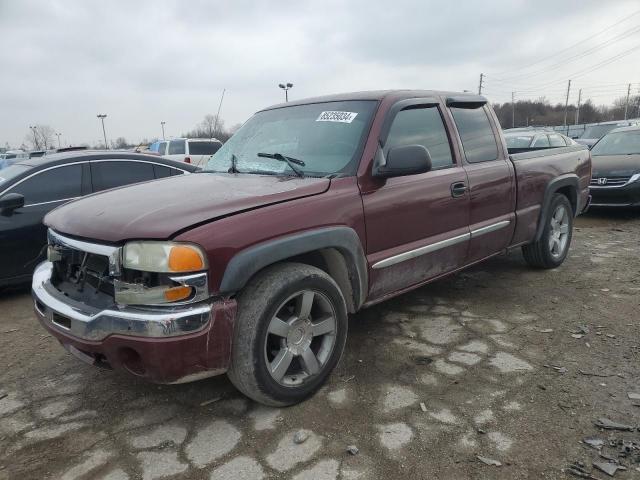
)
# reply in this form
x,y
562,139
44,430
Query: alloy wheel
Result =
x,y
300,338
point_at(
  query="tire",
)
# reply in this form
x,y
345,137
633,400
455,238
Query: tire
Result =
x,y
270,359
552,248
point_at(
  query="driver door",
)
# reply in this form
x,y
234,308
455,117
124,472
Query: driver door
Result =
x,y
417,225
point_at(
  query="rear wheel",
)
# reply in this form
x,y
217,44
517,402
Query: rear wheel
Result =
x,y
289,335
553,246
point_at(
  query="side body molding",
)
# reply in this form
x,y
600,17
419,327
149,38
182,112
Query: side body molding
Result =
x,y
344,239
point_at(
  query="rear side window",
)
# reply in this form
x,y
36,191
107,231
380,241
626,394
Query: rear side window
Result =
x,y
162,148
203,148
557,141
176,147
115,174
541,142
422,126
477,137
52,185
161,171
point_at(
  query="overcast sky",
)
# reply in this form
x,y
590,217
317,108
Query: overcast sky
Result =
x,y
144,62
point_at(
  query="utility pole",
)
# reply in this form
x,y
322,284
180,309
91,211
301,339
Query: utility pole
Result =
x,y
480,84
58,135
513,109
162,124
626,105
578,108
566,106
215,124
102,116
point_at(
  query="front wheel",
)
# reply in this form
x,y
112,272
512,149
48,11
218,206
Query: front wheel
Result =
x,y
289,334
553,246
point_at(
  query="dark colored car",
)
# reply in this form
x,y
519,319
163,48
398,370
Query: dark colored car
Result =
x,y
595,131
31,188
616,169
312,210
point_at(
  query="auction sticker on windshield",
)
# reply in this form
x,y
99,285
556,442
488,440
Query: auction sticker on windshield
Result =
x,y
342,117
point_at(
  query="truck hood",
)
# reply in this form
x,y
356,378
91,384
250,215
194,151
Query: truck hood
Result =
x,y
159,209
615,165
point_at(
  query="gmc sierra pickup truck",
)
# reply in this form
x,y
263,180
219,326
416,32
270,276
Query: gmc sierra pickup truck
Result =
x,y
313,210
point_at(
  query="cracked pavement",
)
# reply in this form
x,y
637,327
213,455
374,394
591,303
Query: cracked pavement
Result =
x,y
429,380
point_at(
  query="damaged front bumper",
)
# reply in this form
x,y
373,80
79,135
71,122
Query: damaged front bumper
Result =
x,y
164,345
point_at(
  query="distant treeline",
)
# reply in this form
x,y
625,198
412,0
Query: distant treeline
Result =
x,y
542,112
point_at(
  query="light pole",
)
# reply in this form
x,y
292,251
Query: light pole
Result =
x,y
162,123
35,137
286,87
102,116
58,135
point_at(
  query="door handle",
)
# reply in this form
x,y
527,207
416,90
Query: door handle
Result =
x,y
458,189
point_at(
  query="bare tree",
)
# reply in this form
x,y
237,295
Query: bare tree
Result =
x,y
41,137
210,127
120,143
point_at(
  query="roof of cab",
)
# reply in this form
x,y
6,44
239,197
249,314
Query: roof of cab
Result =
x,y
376,95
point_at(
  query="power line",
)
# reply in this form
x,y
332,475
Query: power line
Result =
x,y
586,70
593,49
590,37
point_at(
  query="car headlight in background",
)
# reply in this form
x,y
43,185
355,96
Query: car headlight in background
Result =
x,y
161,273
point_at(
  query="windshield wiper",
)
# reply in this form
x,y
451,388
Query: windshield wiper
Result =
x,y
234,164
292,162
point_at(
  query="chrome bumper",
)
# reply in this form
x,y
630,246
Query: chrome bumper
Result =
x,y
82,321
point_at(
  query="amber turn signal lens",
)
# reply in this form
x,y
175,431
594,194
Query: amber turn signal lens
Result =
x,y
185,259
176,294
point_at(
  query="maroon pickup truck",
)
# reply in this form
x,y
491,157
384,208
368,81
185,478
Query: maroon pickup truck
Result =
x,y
313,210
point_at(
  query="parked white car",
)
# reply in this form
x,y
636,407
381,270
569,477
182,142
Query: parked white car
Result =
x,y
195,151
11,156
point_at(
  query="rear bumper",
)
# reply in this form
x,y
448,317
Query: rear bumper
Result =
x,y
162,346
626,196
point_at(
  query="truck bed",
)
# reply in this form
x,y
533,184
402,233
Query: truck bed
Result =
x,y
535,171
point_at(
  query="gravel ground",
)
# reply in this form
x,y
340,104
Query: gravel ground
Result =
x,y
499,361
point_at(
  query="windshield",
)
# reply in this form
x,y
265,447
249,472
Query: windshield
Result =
x,y
618,143
326,137
9,173
518,141
597,131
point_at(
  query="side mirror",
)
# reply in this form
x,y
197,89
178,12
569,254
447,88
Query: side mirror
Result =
x,y
10,202
402,161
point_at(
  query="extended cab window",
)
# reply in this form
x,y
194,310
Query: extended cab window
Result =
x,y
59,183
115,174
422,126
176,147
477,137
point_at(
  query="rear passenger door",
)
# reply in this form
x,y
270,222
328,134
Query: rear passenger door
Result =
x,y
490,180
417,227
107,174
